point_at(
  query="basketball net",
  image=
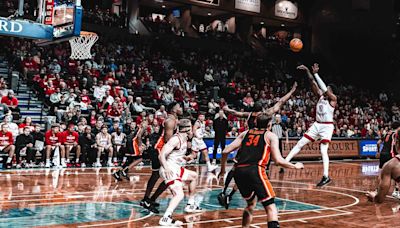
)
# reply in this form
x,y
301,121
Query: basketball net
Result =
x,y
81,45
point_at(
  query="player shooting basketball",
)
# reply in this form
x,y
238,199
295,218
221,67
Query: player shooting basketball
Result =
x,y
323,127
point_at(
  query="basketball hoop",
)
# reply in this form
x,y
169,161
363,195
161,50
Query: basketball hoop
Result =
x,y
81,45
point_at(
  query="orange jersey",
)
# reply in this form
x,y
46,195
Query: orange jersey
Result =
x,y
255,150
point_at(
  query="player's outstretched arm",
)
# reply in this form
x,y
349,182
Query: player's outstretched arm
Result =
x,y
276,154
235,113
314,85
231,147
282,101
325,90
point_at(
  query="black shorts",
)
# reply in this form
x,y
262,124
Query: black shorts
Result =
x,y
384,157
252,181
155,162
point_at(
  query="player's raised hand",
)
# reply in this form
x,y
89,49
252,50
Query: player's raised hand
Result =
x,y
315,68
303,67
299,165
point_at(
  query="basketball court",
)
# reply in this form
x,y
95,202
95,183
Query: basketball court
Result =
x,y
92,198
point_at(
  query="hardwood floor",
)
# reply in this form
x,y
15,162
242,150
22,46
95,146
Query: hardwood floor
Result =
x,y
91,198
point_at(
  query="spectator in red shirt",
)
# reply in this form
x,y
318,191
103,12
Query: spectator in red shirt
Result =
x,y
12,103
114,112
26,123
53,139
85,98
70,141
29,66
6,144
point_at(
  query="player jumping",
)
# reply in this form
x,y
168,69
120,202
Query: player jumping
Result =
x,y
323,127
223,198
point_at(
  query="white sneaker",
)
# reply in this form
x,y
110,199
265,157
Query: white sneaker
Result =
x,y
97,164
168,221
193,209
18,166
83,165
212,168
214,162
63,164
396,194
48,165
110,164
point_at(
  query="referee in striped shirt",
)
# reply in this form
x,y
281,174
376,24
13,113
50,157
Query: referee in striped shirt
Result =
x,y
279,129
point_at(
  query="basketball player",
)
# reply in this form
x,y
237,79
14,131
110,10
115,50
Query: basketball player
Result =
x,y
388,150
135,148
323,127
103,141
198,144
171,156
390,171
222,197
70,142
255,148
170,128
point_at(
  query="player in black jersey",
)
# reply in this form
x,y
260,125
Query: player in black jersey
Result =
x,y
255,148
388,151
223,198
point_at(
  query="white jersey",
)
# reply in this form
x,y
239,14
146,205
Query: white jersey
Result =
x,y
199,134
118,139
324,112
103,140
177,155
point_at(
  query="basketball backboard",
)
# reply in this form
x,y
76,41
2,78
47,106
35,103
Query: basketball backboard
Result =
x,y
58,20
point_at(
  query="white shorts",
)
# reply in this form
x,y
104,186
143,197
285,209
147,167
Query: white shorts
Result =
x,y
320,131
198,145
180,175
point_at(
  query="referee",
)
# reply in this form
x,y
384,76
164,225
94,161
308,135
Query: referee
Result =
x,y
279,129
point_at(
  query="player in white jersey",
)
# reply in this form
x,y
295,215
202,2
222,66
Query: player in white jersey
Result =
x,y
322,128
103,141
118,139
171,156
198,144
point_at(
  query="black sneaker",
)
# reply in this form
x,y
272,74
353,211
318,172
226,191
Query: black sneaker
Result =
x,y
124,174
154,203
221,199
146,204
117,175
227,201
324,181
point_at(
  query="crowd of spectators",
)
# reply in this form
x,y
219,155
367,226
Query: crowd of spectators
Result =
x,y
105,17
128,85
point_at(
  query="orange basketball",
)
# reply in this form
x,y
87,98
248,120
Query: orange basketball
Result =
x,y
296,44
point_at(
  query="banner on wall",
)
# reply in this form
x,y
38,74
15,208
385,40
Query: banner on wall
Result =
x,y
368,147
337,149
286,9
248,5
210,146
